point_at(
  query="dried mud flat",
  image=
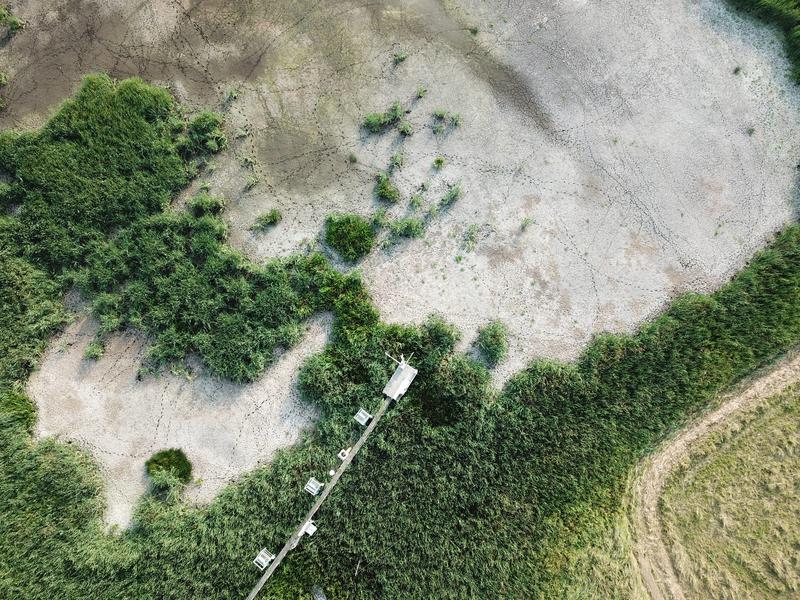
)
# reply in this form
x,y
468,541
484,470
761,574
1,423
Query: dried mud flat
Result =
x,y
643,166
650,547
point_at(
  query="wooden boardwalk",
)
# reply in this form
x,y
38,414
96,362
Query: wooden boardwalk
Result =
x,y
298,533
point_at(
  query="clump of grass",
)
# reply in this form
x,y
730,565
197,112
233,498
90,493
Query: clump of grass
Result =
x,y
473,30
397,160
203,135
442,119
350,235
526,222
453,194
352,158
471,237
385,189
13,22
421,91
492,342
416,201
399,57
251,182
204,204
378,122
409,227
438,163
750,131
3,79
269,219
231,95
737,70
94,350
405,128
380,220
172,461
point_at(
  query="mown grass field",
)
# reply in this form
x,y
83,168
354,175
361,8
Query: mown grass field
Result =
x,y
464,492
730,511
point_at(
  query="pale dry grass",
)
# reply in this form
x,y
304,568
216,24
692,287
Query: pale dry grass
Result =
x,y
730,509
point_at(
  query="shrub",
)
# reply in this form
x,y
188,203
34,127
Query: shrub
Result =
x,y
385,189
492,341
350,235
172,461
438,163
267,220
421,91
400,57
10,20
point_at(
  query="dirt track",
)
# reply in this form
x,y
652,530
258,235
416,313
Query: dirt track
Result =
x,y
652,554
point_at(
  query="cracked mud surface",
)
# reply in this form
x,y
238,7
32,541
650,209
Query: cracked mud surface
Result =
x,y
617,129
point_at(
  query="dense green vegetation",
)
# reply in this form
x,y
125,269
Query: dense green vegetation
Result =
x,y
492,341
10,20
379,122
171,460
463,492
350,235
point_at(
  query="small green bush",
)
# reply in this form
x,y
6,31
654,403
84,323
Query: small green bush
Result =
x,y
385,189
492,341
397,160
399,57
172,461
267,220
438,163
350,235
421,91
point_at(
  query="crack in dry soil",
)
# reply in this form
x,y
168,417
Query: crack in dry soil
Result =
x,y
650,548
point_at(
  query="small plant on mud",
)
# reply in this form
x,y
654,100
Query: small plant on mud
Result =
x,y
397,160
405,128
250,182
399,57
94,350
492,341
378,122
473,30
410,227
267,220
380,219
172,461
10,20
453,194
471,237
204,204
350,235
385,189
526,222
421,91
438,163
352,158
416,201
